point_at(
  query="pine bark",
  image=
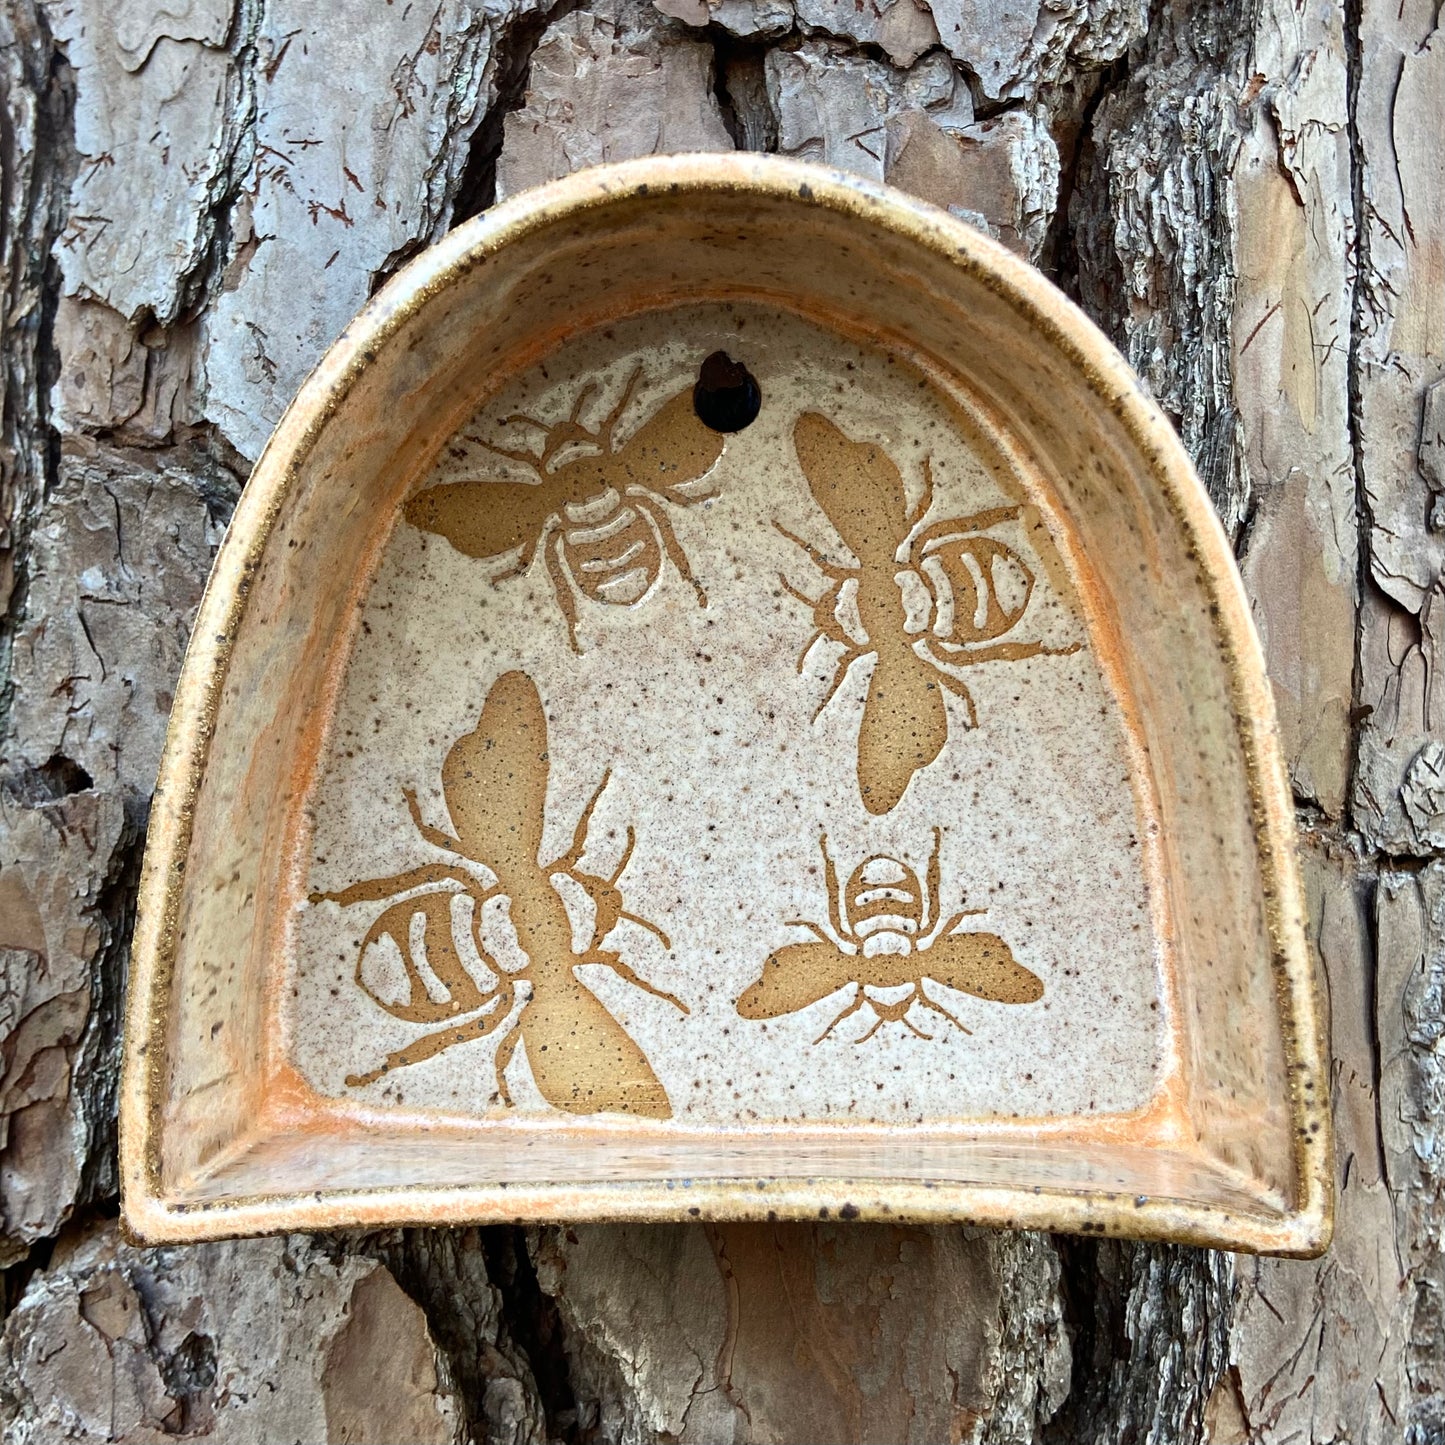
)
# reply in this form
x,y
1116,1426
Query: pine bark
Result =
x,y
1248,195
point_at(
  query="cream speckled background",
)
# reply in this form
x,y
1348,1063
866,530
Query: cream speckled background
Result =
x,y
705,723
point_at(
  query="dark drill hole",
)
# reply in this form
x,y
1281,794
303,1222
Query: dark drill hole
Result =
x,y
726,397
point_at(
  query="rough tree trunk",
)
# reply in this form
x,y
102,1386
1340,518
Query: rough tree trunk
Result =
x,y
1249,197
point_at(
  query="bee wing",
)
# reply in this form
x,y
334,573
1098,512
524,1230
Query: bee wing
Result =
x,y
481,519
856,484
981,964
904,727
582,1059
439,953
495,779
796,976
667,451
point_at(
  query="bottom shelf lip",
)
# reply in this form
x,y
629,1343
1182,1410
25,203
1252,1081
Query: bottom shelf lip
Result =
x,y
1254,1221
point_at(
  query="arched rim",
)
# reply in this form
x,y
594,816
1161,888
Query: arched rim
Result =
x,y
1045,311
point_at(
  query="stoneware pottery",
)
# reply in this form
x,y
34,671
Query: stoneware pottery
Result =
x,y
724,699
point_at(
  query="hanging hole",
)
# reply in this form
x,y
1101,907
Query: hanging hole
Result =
x,y
726,397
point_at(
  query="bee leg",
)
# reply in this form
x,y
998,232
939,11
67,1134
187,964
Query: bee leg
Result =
x,y
926,500
877,1024
507,573
830,628
978,522
829,569
524,560
662,525
505,1050
608,909
835,903
918,513
674,493
430,1045
840,673
908,1024
798,591
527,551
627,972
377,890
859,999
898,1013
605,895
525,420
825,624
434,836
943,929
934,907
807,648
626,855
585,395
825,619
938,1008
567,863
359,1081
952,684
531,460
809,602
996,652
651,927
606,902
562,589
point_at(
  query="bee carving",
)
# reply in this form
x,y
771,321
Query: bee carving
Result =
x,y
974,590
494,781
887,933
595,511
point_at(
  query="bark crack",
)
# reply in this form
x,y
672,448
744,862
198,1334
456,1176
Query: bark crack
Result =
x,y
514,48
44,166
740,84
535,1324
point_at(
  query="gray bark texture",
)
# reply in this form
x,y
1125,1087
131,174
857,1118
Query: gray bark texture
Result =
x,y
1248,195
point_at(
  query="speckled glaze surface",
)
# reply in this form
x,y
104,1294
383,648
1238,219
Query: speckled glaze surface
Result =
x,y
729,764
575,810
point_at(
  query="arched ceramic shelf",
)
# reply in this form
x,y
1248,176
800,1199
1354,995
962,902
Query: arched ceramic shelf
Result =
x,y
836,778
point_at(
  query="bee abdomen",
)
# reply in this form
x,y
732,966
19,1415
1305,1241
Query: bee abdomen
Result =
x,y
616,561
980,589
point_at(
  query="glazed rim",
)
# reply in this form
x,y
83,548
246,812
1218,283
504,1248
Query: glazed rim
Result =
x,y
1304,1229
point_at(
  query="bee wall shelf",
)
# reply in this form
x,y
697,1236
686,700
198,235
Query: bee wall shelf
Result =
x,y
722,698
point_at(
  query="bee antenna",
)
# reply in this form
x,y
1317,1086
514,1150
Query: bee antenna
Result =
x,y
570,430
604,432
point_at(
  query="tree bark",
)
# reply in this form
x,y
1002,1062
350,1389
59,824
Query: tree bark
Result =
x,y
1248,197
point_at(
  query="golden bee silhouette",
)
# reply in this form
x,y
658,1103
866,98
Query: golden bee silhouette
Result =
x,y
494,781
887,931
595,511
975,589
